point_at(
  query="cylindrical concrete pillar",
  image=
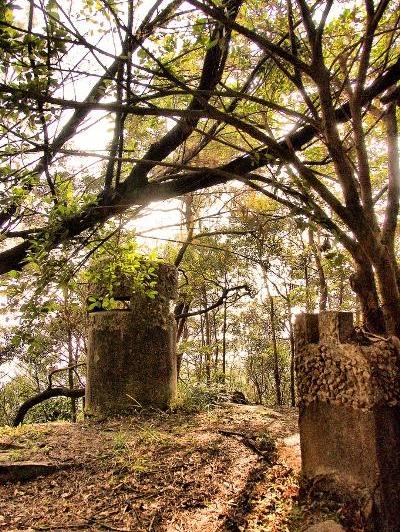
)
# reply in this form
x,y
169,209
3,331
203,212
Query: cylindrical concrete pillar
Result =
x,y
131,353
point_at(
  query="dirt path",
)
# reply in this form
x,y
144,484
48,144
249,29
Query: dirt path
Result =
x,y
163,472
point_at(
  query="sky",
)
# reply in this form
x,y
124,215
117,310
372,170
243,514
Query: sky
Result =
x,y
97,137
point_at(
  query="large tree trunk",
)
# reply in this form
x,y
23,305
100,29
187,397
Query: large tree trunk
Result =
x,y
376,267
363,284
389,290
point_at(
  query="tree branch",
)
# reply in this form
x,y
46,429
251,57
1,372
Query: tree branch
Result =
x,y
94,96
220,301
261,41
123,198
43,396
392,205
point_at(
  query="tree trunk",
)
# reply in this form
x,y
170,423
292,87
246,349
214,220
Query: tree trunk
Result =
x,y
341,289
224,344
292,355
322,284
203,343
181,331
362,282
309,302
208,348
71,362
215,333
387,282
259,393
184,337
277,375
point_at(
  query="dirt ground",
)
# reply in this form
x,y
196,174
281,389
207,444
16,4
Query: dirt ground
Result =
x,y
206,472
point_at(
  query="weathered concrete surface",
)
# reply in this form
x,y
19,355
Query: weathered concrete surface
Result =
x,y
349,397
132,355
333,369
338,440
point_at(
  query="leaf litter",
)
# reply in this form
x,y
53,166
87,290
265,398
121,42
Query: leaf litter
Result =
x,y
227,469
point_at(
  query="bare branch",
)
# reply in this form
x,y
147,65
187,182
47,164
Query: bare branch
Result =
x,y
258,39
43,396
220,301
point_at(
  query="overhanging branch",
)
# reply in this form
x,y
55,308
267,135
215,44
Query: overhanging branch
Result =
x,y
124,196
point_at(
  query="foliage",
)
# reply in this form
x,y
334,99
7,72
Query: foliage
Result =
x,y
106,109
196,397
112,266
254,83
21,388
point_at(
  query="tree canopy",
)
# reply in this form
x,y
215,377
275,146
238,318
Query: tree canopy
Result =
x,y
106,108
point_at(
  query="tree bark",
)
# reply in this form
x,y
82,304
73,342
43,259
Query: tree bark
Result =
x,y
208,348
71,375
224,327
277,375
43,396
292,354
323,287
389,290
362,282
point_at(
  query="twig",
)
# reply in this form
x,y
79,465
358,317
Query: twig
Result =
x,y
64,527
248,442
109,527
151,522
218,303
57,370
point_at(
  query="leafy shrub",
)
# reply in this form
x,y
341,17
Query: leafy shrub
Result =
x,y
112,265
199,397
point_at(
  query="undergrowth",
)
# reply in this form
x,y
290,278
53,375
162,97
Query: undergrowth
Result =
x,y
193,398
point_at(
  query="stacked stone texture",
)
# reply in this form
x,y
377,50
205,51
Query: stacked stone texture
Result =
x,y
349,413
336,372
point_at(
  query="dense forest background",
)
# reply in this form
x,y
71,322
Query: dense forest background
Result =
x,y
256,271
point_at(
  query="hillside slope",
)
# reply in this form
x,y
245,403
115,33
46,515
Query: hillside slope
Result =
x,y
211,471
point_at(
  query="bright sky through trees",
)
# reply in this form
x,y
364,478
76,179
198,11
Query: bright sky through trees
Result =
x,y
288,98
